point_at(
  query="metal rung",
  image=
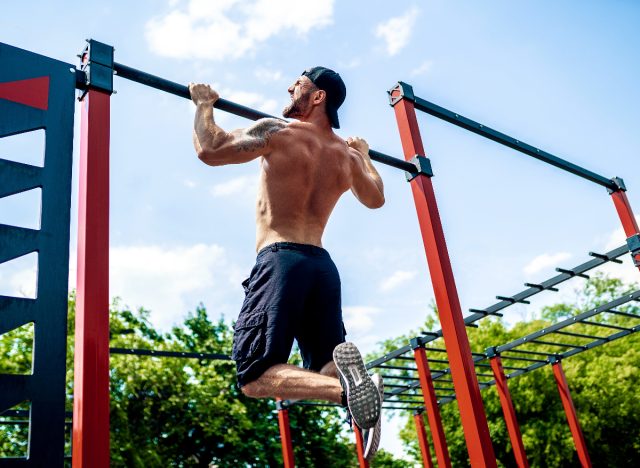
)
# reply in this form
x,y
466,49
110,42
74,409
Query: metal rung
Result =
x,y
399,377
515,358
578,335
604,257
387,366
619,312
605,325
572,273
513,300
485,312
541,287
555,344
524,351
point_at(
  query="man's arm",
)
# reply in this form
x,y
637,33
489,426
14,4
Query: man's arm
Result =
x,y
366,183
216,147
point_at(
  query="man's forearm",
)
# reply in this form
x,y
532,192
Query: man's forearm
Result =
x,y
373,172
206,132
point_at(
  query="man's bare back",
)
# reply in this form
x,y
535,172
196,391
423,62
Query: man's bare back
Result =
x,y
305,166
293,291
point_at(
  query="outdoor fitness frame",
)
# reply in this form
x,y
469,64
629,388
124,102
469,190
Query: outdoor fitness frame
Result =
x,y
91,386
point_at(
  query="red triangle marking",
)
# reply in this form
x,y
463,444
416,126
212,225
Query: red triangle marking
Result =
x,y
33,92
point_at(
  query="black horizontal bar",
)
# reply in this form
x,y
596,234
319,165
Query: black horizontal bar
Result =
x,y
523,351
578,335
551,343
175,354
604,257
516,358
532,337
387,366
569,272
177,89
625,314
398,377
506,140
540,287
389,356
605,325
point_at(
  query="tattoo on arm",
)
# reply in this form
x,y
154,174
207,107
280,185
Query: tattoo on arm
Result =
x,y
257,136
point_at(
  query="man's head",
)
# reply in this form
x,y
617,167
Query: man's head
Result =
x,y
317,86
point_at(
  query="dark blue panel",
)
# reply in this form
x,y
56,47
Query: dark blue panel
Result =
x,y
45,388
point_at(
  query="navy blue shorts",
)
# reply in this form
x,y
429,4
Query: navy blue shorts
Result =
x,y
293,292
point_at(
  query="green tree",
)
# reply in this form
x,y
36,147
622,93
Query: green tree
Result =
x,y
603,383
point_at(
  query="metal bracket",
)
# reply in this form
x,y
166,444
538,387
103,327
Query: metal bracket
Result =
x,y
282,404
416,342
619,183
97,66
404,91
423,166
491,352
633,243
554,359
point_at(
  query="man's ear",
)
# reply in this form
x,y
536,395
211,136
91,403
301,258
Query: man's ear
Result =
x,y
320,96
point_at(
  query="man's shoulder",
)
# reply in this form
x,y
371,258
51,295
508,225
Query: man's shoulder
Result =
x,y
265,127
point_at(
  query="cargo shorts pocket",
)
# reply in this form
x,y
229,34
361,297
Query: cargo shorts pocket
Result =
x,y
249,337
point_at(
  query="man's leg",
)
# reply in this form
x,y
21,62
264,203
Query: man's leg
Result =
x,y
294,383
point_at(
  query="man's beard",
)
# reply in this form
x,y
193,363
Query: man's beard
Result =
x,y
296,108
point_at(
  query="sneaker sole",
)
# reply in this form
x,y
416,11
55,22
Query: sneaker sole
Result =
x,y
373,441
363,398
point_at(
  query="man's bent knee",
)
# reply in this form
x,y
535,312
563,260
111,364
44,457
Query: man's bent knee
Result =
x,y
253,390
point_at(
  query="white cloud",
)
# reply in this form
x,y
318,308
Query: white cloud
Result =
x,y
190,183
358,320
618,237
396,279
543,261
265,74
170,281
396,31
250,99
222,29
423,68
237,186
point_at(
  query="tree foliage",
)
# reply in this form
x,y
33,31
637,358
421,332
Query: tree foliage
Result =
x,y
185,412
603,384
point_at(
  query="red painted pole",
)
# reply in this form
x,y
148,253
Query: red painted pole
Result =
x,y
422,440
474,420
431,403
91,360
572,416
285,437
625,213
509,412
363,463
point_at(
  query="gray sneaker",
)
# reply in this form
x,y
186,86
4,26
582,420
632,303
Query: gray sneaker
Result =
x,y
371,437
363,397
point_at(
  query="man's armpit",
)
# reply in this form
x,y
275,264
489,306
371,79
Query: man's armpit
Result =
x,y
258,135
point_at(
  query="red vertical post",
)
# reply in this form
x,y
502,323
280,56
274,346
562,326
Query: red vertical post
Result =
x,y
625,213
431,404
422,440
91,360
509,412
363,463
285,435
465,381
572,415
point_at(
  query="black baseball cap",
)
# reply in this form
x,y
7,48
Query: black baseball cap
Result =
x,y
330,82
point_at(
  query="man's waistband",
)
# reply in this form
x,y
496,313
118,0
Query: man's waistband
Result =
x,y
308,248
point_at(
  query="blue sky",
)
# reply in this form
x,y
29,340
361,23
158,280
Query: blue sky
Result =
x,y
561,76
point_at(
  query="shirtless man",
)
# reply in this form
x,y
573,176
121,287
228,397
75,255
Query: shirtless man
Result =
x,y
293,291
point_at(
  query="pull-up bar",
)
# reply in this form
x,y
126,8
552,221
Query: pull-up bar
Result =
x,y
177,89
406,92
